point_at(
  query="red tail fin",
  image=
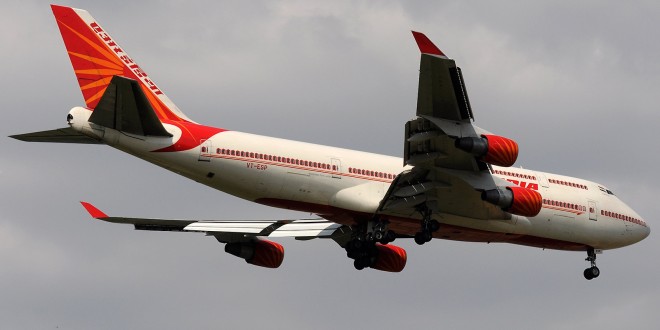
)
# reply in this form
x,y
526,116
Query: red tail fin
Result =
x,y
96,58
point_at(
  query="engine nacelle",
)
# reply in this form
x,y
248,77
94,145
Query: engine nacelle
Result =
x,y
390,258
516,200
491,149
258,252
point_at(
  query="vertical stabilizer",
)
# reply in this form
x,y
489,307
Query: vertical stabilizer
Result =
x,y
96,58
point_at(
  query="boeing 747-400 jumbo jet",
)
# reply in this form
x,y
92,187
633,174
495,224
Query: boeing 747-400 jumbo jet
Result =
x,y
455,180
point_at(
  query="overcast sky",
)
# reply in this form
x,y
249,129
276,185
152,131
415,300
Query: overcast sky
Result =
x,y
575,83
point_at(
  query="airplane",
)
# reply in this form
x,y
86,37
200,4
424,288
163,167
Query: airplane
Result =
x,y
455,181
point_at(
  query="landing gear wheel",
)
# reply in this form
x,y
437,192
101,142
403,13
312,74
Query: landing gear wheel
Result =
x,y
428,226
591,273
427,236
390,236
362,262
355,244
420,239
359,264
587,274
362,246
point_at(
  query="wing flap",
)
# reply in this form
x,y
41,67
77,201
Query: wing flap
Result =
x,y
229,227
306,229
429,145
280,228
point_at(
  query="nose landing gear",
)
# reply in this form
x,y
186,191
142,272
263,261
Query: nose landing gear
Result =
x,y
593,271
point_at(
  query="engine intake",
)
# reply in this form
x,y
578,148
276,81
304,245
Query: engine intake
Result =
x,y
258,252
390,258
491,149
516,200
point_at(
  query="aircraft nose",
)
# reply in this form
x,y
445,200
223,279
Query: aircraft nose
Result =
x,y
642,231
646,231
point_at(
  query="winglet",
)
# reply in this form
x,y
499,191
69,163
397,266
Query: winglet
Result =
x,y
93,211
425,45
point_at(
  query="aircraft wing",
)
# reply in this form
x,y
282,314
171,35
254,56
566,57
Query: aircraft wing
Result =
x,y
449,156
443,114
231,230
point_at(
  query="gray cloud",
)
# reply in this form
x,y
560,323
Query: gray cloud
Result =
x,y
574,83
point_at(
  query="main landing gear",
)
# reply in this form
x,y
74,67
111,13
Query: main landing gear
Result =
x,y
429,226
593,271
362,247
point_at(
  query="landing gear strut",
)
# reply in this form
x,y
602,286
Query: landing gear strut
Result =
x,y
428,226
377,231
593,271
362,247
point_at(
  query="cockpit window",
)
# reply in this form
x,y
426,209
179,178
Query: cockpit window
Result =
x,y
605,190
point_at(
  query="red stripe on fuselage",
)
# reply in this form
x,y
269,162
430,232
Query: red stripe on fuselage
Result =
x,y
192,135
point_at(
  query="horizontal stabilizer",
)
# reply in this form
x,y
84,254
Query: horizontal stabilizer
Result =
x,y
139,223
124,107
60,135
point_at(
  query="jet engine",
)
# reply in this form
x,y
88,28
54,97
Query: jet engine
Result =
x,y
259,252
515,200
491,149
390,258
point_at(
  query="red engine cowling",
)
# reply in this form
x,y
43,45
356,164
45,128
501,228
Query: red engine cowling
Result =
x,y
501,151
516,200
526,202
262,253
390,258
491,149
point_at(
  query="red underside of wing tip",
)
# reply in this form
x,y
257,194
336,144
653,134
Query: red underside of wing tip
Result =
x,y
425,45
93,211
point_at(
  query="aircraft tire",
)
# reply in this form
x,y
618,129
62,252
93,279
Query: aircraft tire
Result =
x,y
591,273
419,238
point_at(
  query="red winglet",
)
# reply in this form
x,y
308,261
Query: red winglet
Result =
x,y
425,45
93,211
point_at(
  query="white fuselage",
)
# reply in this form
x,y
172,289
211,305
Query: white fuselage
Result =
x,y
343,185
